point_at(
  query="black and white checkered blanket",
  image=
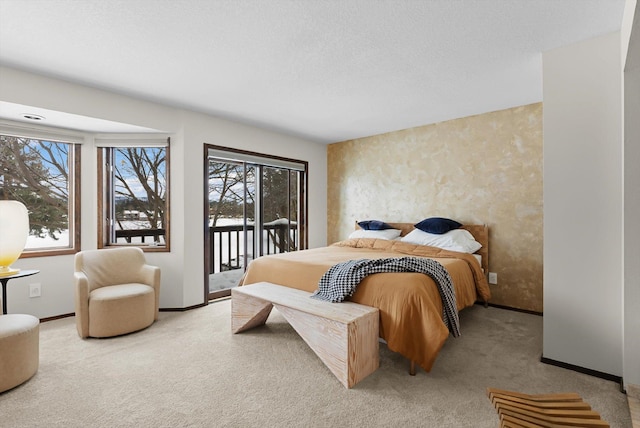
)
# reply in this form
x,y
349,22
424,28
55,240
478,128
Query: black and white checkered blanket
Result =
x,y
341,280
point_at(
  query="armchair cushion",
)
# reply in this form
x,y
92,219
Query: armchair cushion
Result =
x,y
127,307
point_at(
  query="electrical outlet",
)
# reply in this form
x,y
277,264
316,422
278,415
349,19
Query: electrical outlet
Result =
x,y
493,278
34,290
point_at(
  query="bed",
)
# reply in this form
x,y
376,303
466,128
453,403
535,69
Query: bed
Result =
x,y
409,303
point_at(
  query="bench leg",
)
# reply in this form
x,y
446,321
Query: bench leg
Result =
x,y
248,312
350,351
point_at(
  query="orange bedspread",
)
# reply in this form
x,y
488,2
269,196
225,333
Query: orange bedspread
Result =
x,y
409,303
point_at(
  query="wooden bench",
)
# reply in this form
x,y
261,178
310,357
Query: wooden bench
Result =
x,y
344,335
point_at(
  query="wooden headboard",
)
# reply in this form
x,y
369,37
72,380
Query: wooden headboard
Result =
x,y
479,231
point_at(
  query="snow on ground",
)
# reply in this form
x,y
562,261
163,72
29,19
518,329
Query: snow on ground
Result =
x,y
34,242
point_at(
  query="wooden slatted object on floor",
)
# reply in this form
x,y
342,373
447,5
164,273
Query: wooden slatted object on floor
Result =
x,y
520,410
344,335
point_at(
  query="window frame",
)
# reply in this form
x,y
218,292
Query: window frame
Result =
x,y
106,191
74,186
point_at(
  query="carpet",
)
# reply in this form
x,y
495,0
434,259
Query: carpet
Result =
x,y
188,370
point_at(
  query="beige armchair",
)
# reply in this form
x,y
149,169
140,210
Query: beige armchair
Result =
x,y
116,292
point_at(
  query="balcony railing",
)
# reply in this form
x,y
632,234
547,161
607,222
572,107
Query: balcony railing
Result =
x,y
129,234
227,243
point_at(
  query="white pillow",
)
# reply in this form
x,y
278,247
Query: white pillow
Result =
x,y
387,234
460,240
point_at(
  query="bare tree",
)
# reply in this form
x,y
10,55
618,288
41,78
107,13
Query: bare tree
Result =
x,y
140,175
226,189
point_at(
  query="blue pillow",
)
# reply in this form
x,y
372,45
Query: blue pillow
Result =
x,y
437,225
374,225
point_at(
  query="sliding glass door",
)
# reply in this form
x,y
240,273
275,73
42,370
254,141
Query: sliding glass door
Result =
x,y
255,207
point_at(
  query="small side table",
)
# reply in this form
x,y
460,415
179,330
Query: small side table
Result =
x,y
5,279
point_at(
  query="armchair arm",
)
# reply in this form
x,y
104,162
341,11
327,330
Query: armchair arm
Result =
x,y
151,275
81,283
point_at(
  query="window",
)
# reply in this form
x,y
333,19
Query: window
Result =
x,y
133,189
43,174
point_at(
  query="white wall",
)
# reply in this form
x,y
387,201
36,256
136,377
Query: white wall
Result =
x,y
631,367
183,267
583,282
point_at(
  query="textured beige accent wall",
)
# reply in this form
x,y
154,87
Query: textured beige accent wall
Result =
x,y
479,169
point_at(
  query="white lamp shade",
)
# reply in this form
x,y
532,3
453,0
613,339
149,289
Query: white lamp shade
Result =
x,y
14,230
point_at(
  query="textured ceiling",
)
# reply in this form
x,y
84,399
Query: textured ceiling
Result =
x,y
321,69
